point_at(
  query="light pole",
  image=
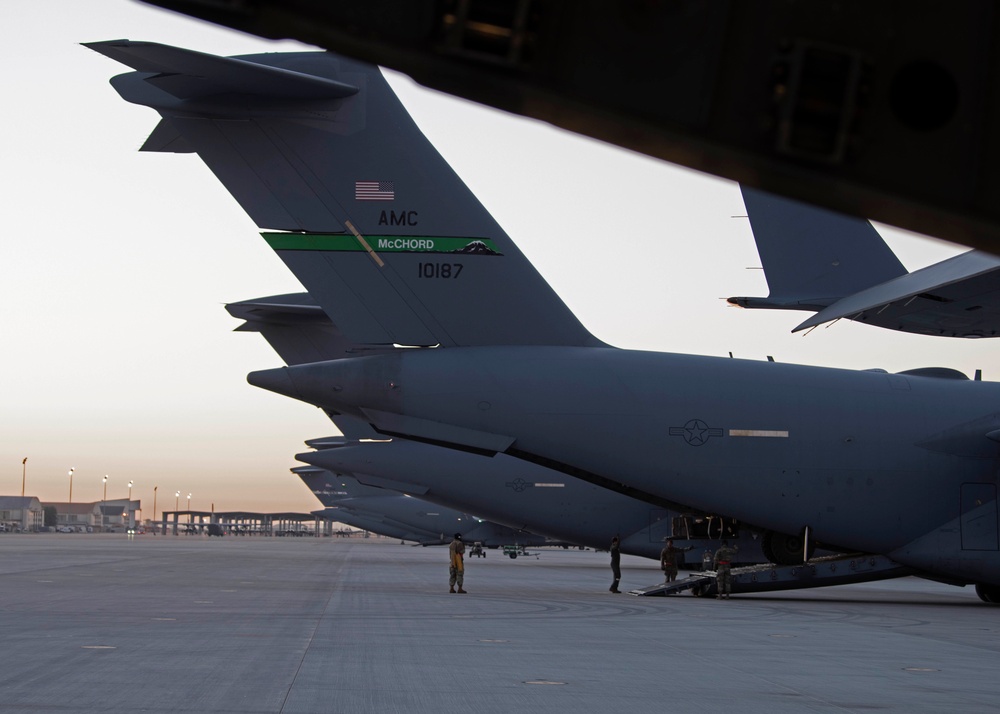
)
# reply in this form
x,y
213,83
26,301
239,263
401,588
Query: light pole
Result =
x,y
104,518
71,485
177,501
155,489
189,502
128,508
24,467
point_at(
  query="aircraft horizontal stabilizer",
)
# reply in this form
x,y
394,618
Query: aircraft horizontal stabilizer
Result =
x,y
330,442
186,74
277,309
308,470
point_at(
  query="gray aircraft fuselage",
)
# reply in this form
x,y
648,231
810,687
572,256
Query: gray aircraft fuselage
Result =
x,y
379,526
429,523
503,489
541,500
893,464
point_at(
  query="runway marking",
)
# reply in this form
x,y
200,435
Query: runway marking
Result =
x,y
164,619
203,602
98,647
542,681
920,669
494,640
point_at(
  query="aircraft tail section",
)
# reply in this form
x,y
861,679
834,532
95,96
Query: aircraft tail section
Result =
x,y
324,158
812,257
298,329
300,332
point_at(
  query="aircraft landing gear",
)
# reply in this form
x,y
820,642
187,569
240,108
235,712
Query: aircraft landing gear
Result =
x,y
783,549
988,593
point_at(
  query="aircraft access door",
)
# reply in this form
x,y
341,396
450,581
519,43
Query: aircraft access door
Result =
x,y
979,516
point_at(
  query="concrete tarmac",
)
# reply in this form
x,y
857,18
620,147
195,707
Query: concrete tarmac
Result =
x,y
99,623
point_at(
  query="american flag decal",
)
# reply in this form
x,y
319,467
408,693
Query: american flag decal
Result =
x,y
374,191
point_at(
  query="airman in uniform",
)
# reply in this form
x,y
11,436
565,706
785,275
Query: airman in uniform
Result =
x,y
616,564
723,578
670,560
456,570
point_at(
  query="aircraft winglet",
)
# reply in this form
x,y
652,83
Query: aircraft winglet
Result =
x,y
811,256
839,267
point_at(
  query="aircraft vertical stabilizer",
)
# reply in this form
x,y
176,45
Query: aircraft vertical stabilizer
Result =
x,y
318,151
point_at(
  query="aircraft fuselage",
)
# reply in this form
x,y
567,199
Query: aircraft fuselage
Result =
x,y
893,464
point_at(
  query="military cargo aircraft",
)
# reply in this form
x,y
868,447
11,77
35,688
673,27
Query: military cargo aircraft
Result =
x,y
509,491
319,151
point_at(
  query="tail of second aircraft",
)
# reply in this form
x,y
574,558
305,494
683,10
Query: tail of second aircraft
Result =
x,y
320,153
300,332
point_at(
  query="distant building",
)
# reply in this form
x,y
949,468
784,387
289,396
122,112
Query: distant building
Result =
x,y
77,515
21,513
119,514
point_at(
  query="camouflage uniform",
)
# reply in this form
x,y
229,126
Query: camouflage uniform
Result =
x,y
456,569
616,564
724,556
670,560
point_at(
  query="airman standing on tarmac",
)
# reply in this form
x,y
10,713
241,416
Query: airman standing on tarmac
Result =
x,y
616,564
723,578
670,559
456,570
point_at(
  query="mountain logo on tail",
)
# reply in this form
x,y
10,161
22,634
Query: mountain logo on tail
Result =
x,y
476,247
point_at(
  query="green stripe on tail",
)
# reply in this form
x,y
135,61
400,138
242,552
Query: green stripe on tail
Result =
x,y
381,244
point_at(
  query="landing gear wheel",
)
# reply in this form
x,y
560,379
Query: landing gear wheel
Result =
x,y
783,549
988,593
513,555
701,590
